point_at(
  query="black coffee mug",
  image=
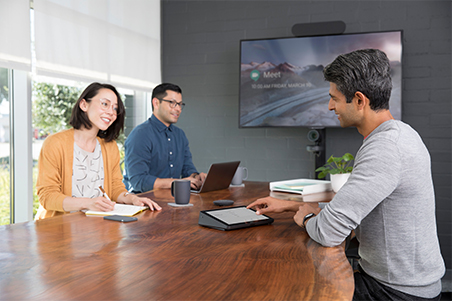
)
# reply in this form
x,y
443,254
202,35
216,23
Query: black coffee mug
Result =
x,y
180,190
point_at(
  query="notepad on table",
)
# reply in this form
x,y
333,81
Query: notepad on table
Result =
x,y
120,209
301,186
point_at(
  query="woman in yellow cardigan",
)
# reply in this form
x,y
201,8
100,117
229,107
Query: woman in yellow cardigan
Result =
x,y
74,163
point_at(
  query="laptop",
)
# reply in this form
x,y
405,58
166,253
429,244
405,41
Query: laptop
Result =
x,y
219,176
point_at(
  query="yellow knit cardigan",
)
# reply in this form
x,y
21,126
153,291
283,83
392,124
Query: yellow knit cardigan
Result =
x,y
54,182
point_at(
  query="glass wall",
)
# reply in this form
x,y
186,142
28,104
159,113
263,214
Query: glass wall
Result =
x,y
5,176
31,108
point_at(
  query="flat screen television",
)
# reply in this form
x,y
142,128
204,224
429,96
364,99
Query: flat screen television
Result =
x,y
282,84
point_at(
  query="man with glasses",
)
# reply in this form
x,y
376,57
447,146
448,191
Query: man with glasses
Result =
x,y
156,151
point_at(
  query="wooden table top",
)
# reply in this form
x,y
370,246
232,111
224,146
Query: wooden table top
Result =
x,y
167,256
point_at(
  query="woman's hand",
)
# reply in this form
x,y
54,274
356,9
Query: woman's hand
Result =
x,y
100,204
137,201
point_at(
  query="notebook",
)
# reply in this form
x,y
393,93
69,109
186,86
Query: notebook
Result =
x,y
120,209
219,176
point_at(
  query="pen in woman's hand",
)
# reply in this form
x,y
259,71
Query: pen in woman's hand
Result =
x,y
105,194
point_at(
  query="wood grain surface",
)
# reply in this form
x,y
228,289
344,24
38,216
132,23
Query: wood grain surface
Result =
x,y
167,256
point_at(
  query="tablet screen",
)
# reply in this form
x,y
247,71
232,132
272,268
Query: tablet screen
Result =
x,y
236,215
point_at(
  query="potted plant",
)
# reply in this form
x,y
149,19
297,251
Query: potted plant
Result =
x,y
339,169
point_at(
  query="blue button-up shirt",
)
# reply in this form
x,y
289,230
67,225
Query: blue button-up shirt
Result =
x,y
153,150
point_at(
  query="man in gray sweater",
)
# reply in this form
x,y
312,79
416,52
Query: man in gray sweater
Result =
x,y
389,198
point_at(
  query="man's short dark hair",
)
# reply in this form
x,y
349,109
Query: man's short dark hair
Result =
x,y
160,91
79,118
367,71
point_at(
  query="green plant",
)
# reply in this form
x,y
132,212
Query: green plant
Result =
x,y
35,195
4,84
52,107
336,165
4,196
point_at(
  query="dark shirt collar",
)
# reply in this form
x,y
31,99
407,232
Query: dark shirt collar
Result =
x,y
159,125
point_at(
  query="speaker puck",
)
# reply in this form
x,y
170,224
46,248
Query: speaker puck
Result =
x,y
223,202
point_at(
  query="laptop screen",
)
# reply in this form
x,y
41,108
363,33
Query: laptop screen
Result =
x,y
219,176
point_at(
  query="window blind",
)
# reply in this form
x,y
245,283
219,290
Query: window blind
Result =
x,y
113,41
15,47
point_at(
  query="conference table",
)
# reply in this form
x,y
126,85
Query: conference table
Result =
x,y
166,255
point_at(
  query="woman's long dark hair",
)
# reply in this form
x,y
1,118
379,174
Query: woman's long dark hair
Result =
x,y
79,118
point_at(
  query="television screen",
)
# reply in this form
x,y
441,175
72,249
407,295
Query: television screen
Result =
x,y
281,80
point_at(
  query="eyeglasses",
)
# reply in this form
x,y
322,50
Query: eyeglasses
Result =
x,y
173,103
106,106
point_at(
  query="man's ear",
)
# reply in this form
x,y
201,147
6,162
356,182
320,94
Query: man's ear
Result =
x,y
83,105
155,102
361,100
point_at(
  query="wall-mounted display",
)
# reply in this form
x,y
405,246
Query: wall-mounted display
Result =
x,y
282,84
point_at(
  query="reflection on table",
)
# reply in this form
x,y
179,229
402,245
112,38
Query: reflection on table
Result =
x,y
167,256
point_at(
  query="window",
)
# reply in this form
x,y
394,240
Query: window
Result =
x,y
5,175
36,46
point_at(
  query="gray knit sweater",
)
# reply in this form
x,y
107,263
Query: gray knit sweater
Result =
x,y
389,200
